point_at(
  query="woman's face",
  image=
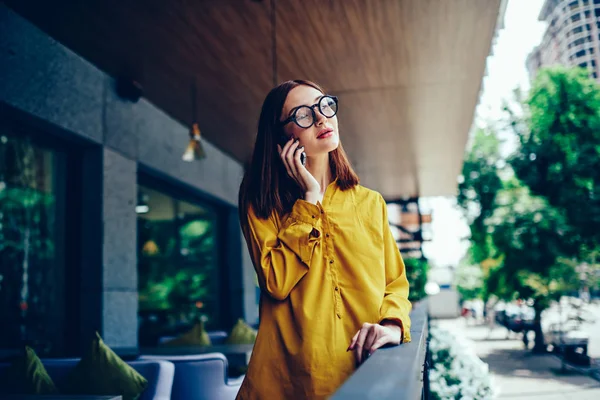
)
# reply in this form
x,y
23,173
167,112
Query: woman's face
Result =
x,y
323,136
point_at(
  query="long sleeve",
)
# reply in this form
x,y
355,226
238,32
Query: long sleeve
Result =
x,y
282,255
395,306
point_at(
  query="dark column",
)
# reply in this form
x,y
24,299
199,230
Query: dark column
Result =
x,y
109,255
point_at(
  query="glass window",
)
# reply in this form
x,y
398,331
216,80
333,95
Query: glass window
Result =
x,y
177,265
577,42
32,308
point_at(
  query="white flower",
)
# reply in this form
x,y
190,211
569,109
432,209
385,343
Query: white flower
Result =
x,y
457,372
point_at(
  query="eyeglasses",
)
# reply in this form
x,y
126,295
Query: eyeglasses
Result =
x,y
305,117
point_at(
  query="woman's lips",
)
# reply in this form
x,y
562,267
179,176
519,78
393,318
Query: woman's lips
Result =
x,y
326,133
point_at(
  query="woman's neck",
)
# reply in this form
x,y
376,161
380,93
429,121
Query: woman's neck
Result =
x,y
320,169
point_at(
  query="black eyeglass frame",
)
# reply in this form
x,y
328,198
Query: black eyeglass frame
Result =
x,y
292,118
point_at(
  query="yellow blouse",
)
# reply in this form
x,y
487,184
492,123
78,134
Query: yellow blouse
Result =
x,y
324,270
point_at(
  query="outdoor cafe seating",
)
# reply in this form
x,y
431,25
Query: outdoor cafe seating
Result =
x,y
187,367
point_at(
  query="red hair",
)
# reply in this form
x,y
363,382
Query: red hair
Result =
x,y
266,186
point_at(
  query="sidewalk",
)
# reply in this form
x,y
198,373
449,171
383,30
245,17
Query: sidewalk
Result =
x,y
520,375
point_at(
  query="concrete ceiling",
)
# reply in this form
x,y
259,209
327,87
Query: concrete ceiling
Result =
x,y
407,72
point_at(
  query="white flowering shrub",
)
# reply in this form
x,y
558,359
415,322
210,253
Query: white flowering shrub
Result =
x,y
457,372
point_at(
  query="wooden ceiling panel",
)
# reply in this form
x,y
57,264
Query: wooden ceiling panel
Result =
x,y
374,126
392,182
344,45
441,116
439,40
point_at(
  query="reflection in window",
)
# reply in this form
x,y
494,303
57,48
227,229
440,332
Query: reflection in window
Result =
x,y
31,272
177,265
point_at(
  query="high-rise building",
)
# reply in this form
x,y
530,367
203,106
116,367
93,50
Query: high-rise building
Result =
x,y
572,37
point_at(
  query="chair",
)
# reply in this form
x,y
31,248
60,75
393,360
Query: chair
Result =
x,y
200,377
159,374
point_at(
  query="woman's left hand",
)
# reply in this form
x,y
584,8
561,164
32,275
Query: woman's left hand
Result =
x,y
372,336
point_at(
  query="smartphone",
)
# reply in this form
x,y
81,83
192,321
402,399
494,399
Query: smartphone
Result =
x,y
283,140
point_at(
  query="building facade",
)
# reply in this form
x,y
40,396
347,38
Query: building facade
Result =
x,y
103,226
572,37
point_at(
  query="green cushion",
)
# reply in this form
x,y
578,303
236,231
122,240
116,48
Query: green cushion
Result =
x,y
196,336
27,375
102,372
241,333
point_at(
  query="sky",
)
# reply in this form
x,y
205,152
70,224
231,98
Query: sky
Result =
x,y
506,66
506,70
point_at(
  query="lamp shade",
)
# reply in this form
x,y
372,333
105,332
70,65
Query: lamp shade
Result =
x,y
194,150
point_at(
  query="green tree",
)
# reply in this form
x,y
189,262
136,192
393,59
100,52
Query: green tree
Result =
x,y
559,153
538,228
416,272
532,237
558,158
517,238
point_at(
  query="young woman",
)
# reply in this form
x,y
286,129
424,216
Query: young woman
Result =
x,y
333,284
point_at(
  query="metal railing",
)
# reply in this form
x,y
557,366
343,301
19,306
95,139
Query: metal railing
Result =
x,y
398,372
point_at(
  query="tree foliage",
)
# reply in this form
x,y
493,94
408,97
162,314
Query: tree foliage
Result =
x,y
544,206
531,236
534,221
559,153
469,281
478,189
416,271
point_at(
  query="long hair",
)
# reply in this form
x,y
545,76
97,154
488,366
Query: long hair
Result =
x,y
266,186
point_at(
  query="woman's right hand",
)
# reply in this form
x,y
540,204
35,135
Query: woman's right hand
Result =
x,y
290,155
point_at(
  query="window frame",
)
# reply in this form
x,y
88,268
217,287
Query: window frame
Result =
x,y
66,181
182,192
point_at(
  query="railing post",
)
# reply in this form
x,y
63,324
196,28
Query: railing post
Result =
x,y
426,365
